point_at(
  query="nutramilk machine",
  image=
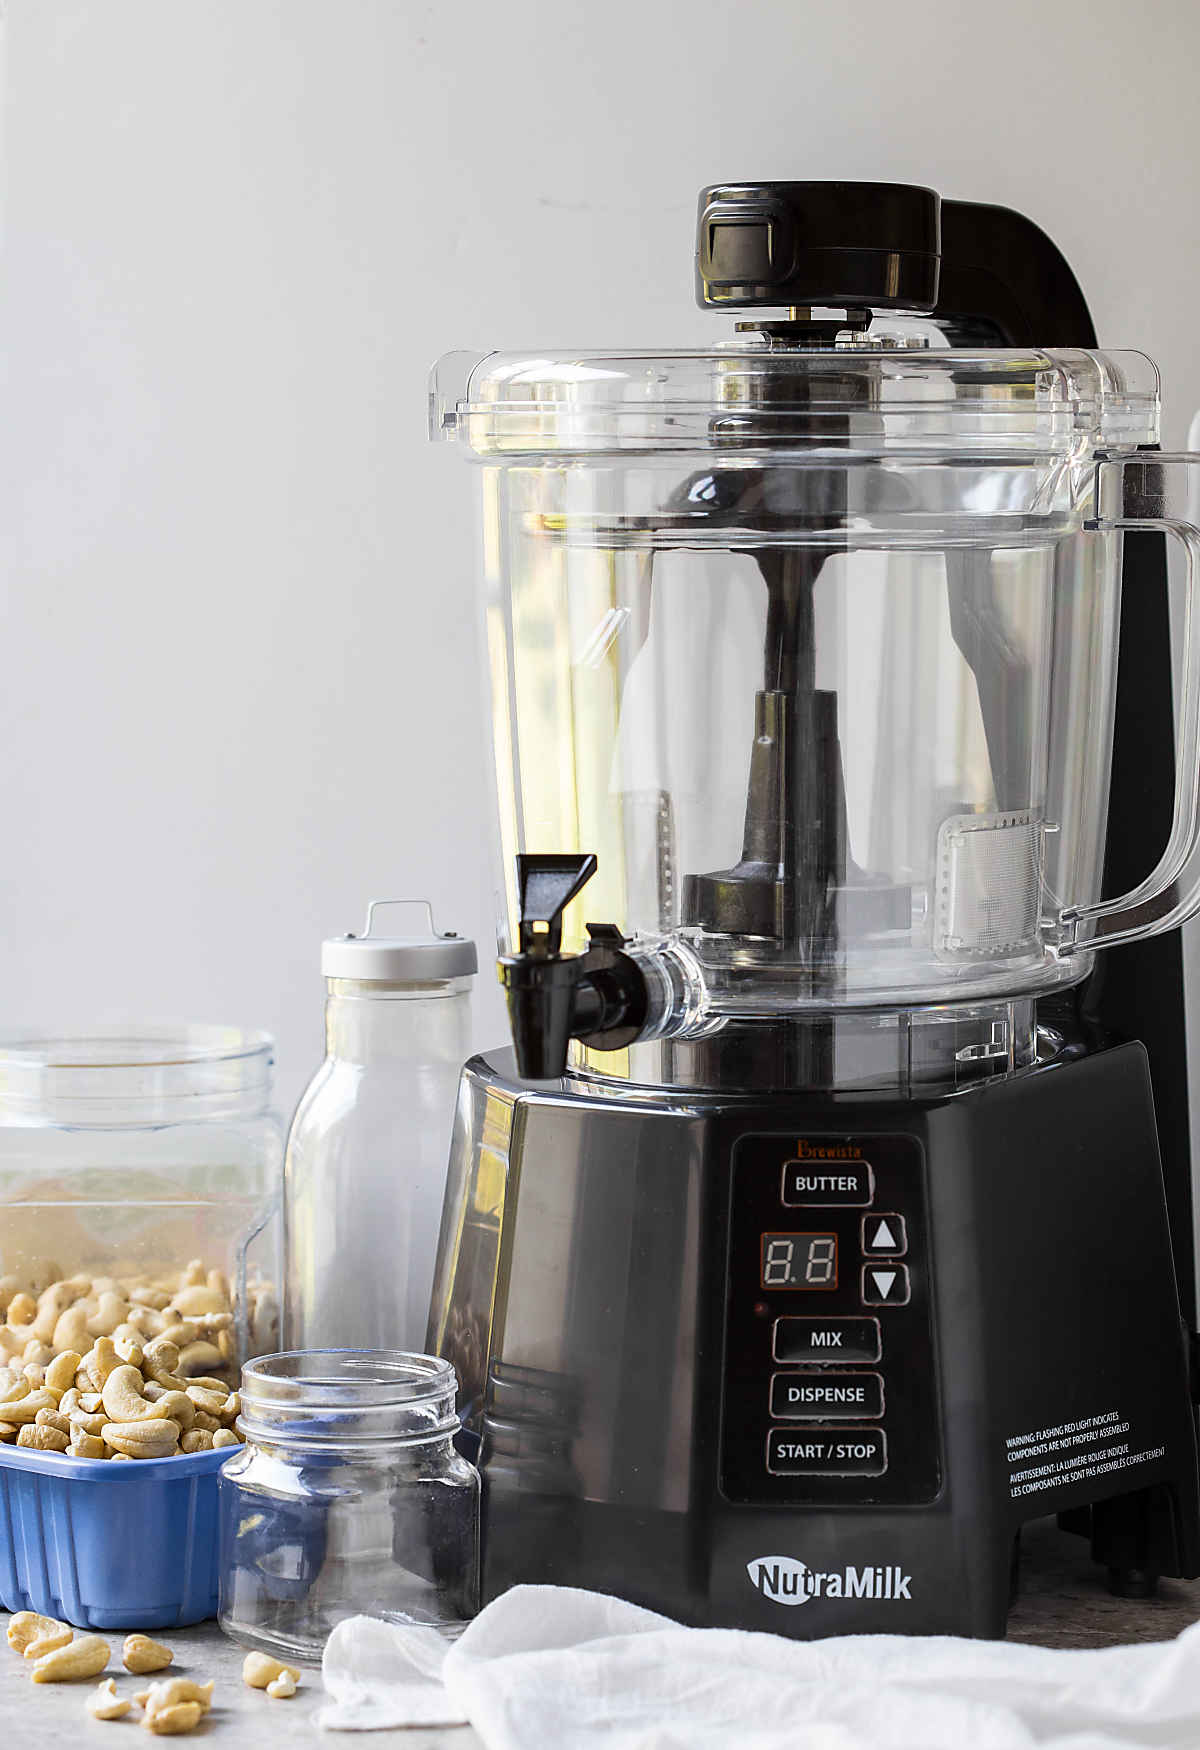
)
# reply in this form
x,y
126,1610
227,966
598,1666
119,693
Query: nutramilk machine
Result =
x,y
813,1236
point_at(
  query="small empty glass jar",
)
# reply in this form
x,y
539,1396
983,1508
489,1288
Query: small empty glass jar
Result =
x,y
347,1497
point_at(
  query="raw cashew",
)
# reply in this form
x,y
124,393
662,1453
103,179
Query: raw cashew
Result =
x,y
52,1303
8,1431
178,1406
259,1669
60,1374
183,1717
225,1437
11,1342
283,1687
85,1445
190,1302
171,1691
48,1643
85,1657
106,1704
154,1298
226,1345
87,1423
204,1420
153,1438
140,1654
15,1389
146,1321
122,1396
100,1361
22,1310
37,1353
43,1439
71,1331
34,1374
160,1360
231,1409
26,1626
196,1440
193,1275
111,1311
25,1409
128,1347
203,1399
217,1279
53,1419
197,1357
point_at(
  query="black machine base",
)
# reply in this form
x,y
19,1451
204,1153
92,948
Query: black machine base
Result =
x,y
807,1364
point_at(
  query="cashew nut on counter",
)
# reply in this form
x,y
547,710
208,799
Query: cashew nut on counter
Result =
x,y
85,1657
140,1654
105,1704
26,1629
175,1706
259,1671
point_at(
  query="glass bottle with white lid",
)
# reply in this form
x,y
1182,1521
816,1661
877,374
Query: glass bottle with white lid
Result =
x,y
367,1151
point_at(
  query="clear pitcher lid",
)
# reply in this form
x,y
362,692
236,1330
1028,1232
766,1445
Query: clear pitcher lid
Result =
x,y
399,959
896,386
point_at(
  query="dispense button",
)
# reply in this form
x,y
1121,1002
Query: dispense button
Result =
x,y
826,1184
826,1397
885,1285
884,1236
827,1452
803,1342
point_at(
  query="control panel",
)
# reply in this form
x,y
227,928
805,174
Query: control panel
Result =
x,y
830,1393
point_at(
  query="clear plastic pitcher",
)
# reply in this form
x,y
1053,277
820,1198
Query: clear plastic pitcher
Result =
x,y
817,651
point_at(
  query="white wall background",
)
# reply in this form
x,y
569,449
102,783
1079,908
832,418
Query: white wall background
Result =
x,y
239,687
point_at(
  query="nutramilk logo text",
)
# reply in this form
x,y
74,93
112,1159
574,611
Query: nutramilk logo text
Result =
x,y
784,1580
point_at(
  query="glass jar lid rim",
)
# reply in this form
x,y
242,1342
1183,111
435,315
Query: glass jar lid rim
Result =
x,y
130,1045
383,1377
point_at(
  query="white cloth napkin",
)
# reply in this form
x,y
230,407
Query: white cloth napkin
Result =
x,y
547,1666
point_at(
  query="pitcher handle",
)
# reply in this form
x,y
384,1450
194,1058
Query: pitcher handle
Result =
x,y
1135,493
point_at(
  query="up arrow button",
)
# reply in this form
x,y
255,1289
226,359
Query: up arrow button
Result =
x,y
885,1287
884,1236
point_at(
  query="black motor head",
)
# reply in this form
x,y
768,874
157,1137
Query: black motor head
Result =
x,y
988,275
773,245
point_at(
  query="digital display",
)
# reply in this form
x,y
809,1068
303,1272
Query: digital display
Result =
x,y
799,1260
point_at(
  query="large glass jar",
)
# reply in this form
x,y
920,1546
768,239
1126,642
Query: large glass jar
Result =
x,y
131,1159
348,1497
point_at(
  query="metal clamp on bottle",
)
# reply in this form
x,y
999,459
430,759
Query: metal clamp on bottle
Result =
x,y
554,997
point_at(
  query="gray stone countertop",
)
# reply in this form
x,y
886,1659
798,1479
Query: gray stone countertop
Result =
x,y
1063,1602
47,1716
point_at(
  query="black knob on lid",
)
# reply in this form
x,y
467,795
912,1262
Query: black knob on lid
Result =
x,y
775,245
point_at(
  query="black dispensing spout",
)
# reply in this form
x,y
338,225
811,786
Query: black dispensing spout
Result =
x,y
553,997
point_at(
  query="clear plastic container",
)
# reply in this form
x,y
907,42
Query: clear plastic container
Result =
x,y
367,1152
348,1497
816,650
126,1155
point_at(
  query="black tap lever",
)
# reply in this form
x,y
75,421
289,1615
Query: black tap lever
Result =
x,y
546,885
555,997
